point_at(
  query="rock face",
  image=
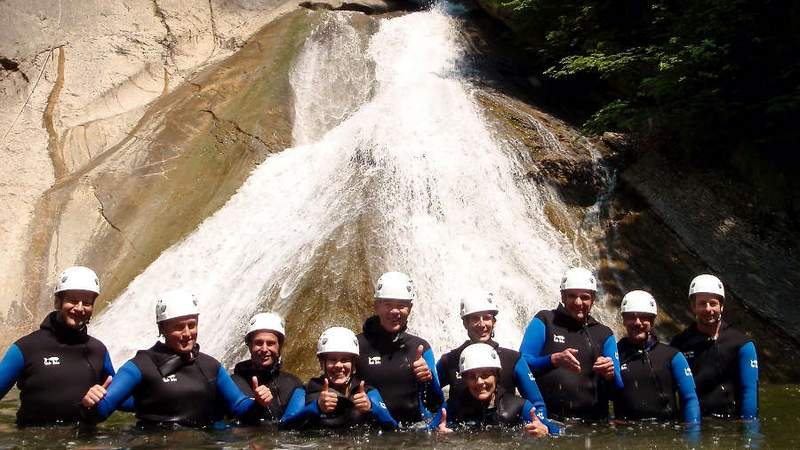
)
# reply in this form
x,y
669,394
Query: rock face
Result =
x,y
111,114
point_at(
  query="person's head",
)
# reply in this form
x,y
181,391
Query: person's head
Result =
x,y
177,314
706,298
578,292
394,295
264,339
77,288
337,350
479,366
639,311
478,314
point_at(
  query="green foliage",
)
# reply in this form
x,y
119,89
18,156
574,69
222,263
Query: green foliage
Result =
x,y
706,76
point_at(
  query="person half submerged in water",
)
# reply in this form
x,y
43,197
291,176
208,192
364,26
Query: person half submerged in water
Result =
x,y
486,403
338,398
172,383
265,338
55,365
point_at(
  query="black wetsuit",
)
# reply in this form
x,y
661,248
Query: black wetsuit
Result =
x,y
508,410
725,370
385,362
583,395
280,383
54,367
653,374
174,389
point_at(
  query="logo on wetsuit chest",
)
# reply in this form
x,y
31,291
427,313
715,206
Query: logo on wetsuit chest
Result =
x,y
689,354
170,379
623,367
558,339
374,360
458,375
52,361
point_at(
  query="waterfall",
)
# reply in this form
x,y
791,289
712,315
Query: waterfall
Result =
x,y
388,135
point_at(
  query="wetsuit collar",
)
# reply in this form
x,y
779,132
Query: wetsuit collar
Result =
x,y
169,362
372,327
62,332
248,369
562,314
648,345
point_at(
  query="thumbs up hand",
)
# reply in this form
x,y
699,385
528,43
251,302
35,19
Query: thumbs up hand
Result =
x,y
262,393
442,428
327,400
95,394
421,370
360,399
536,428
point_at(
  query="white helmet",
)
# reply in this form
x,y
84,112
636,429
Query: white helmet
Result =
x,y
479,301
394,286
266,322
337,340
177,303
708,284
578,278
78,278
478,356
639,301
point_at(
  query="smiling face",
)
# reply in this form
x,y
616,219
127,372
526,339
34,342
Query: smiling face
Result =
x,y
479,326
481,383
264,348
393,314
707,309
578,303
338,368
75,307
638,326
180,333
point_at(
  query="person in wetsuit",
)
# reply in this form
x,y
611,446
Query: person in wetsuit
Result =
x,y
264,338
338,398
400,365
652,372
479,315
723,360
485,403
172,383
55,365
572,355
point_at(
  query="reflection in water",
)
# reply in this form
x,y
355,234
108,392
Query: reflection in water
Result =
x,y
779,425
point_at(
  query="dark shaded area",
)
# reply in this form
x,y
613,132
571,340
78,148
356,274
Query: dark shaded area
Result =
x,y
12,66
714,84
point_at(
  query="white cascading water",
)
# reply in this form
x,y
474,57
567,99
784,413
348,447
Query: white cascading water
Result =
x,y
390,132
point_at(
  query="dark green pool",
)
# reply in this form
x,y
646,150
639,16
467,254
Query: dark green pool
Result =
x,y
779,428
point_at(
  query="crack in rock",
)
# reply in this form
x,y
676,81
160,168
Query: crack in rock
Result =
x,y
236,127
111,224
169,41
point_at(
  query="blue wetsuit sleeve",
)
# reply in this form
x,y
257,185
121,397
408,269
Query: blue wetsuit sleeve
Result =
x,y
297,408
238,403
552,428
108,367
532,345
10,368
431,395
526,383
379,409
437,418
610,351
748,370
120,390
682,374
